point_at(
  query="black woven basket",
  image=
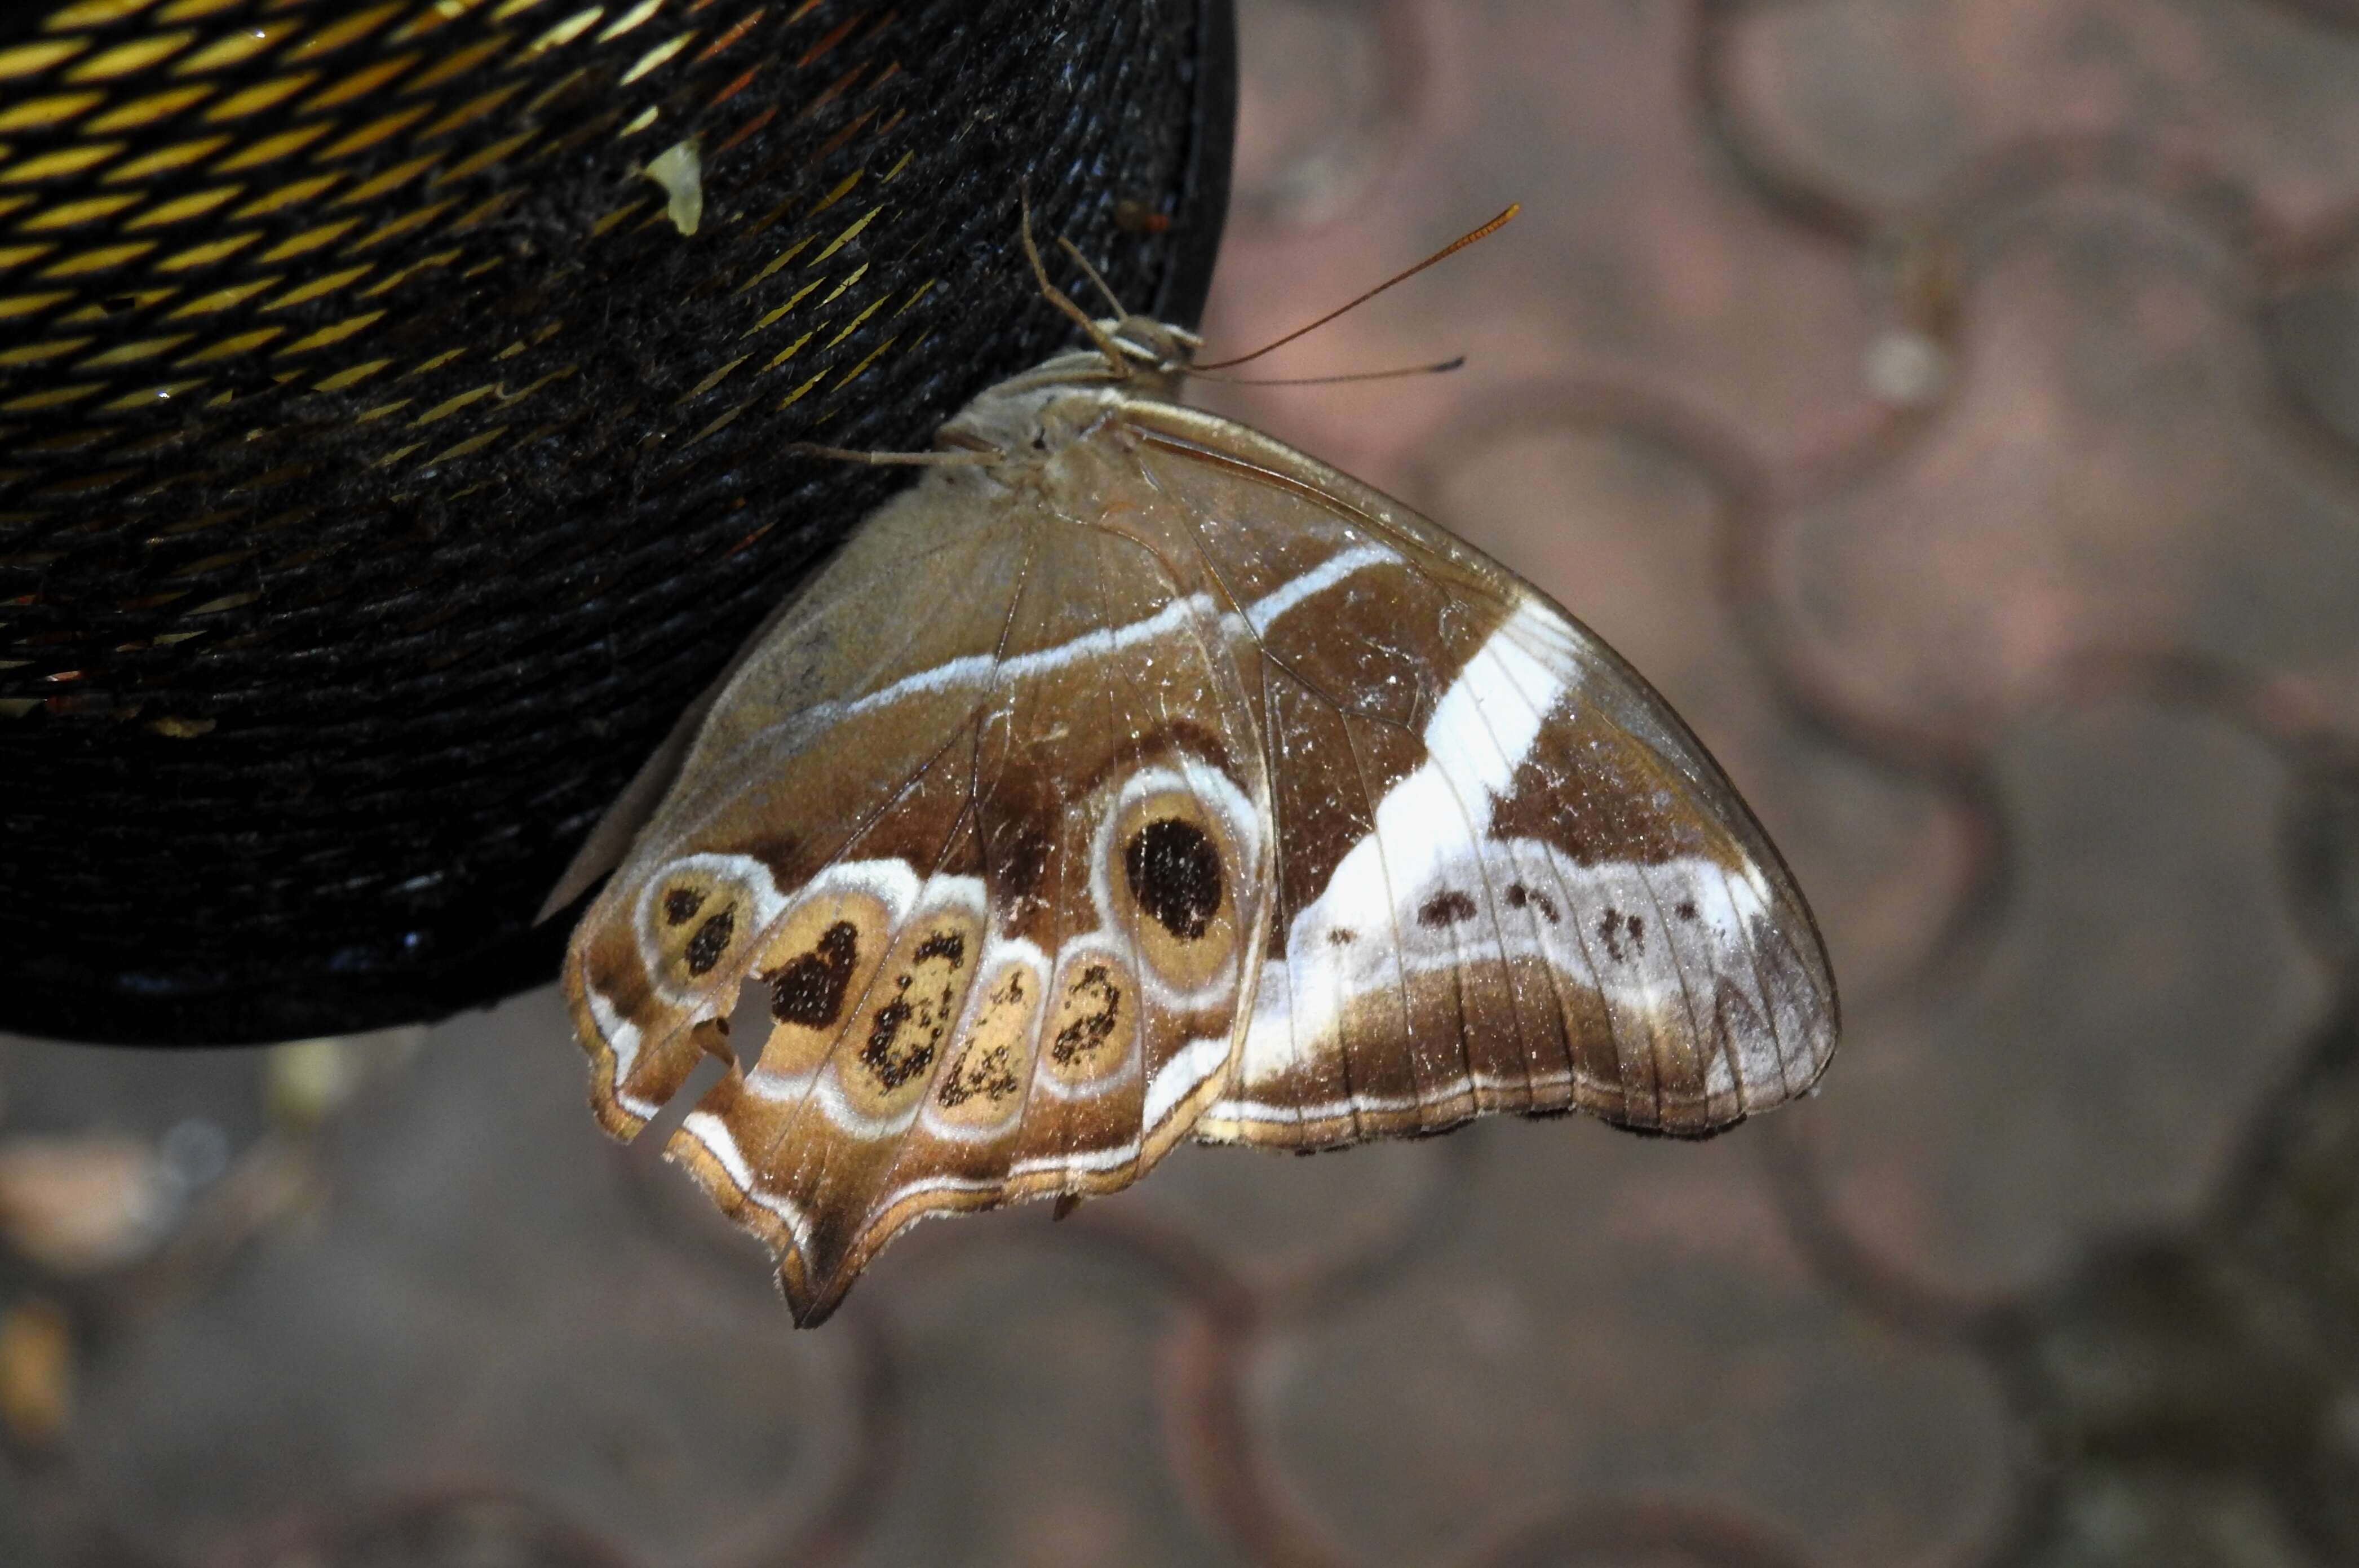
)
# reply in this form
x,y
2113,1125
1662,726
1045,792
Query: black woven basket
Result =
x,y
383,467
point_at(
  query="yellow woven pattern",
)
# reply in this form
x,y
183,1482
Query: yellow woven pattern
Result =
x,y
274,191
370,157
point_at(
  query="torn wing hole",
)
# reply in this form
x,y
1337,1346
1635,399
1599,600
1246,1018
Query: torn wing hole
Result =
x,y
749,1023
655,1135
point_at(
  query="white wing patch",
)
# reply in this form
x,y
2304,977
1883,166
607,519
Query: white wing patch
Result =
x,y
713,1134
973,671
1394,904
621,1038
1301,1002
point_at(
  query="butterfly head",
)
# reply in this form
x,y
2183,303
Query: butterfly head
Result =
x,y
1142,355
1157,350
1125,346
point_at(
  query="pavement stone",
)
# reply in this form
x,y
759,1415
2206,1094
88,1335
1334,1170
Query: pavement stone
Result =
x,y
2101,483
471,1297
2090,1064
1613,1317
1903,108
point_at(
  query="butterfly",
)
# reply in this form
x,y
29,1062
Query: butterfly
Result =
x,y
1133,776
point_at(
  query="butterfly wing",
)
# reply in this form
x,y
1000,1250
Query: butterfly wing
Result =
x,y
1167,781
986,818
1507,878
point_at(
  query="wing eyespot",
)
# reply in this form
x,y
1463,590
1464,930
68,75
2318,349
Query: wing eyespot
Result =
x,y
821,959
694,915
1092,1029
1173,870
1174,854
1521,896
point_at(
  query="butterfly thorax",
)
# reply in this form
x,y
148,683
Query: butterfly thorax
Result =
x,y
1066,398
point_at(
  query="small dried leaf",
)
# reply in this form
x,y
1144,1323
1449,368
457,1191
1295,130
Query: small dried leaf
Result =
x,y
35,1372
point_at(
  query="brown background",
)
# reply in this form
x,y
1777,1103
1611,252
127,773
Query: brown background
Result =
x,y
1952,408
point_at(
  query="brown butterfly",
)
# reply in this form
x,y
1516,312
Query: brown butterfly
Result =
x,y
1134,777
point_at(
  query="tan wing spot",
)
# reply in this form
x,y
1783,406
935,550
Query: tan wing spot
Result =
x,y
1175,862
983,1084
906,1018
697,916
817,965
1097,1020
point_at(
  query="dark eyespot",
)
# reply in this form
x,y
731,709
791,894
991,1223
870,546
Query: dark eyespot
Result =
x,y
710,940
1687,909
1521,896
1174,872
893,1060
1529,897
989,1073
1446,907
681,906
1609,931
1341,936
1093,1029
809,991
947,945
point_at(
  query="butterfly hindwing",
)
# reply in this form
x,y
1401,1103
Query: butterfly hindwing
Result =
x,y
991,845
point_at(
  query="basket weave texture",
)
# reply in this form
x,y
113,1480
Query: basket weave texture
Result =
x,y
385,464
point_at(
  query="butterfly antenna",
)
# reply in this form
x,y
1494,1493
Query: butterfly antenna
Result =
x,y
1095,276
1441,367
1059,298
1452,248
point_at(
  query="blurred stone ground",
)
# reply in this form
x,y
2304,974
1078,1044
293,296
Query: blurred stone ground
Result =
x,y
1955,406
